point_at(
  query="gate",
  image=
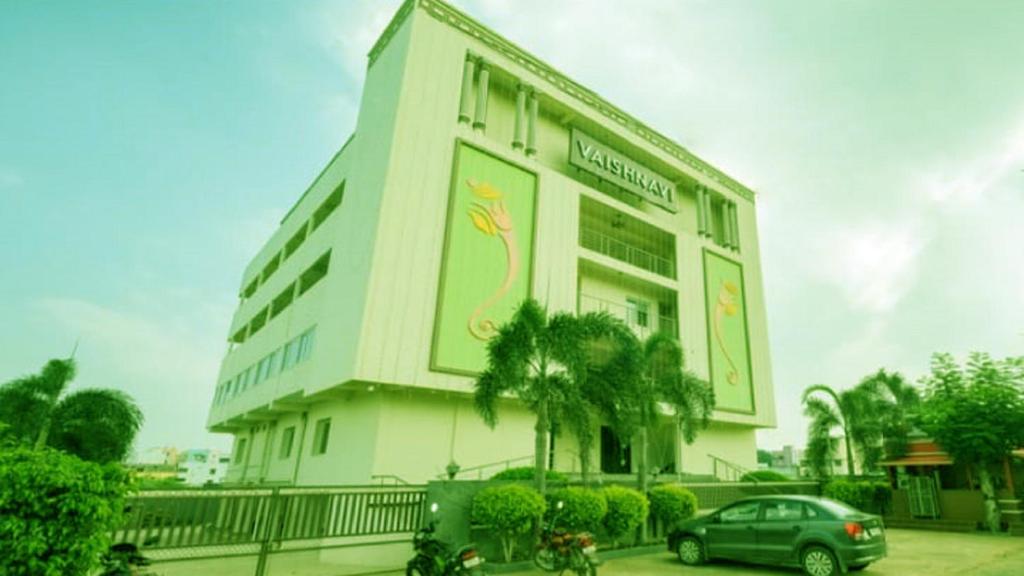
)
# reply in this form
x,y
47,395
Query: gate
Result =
x,y
923,499
213,524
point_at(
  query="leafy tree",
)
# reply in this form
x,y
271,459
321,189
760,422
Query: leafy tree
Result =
x,y
764,457
542,359
510,511
96,425
640,378
894,403
976,414
56,512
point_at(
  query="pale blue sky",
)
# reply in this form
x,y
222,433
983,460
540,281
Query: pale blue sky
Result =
x,y
148,148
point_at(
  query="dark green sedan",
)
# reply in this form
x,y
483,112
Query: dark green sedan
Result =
x,y
822,536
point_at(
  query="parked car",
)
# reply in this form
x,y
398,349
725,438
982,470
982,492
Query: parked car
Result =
x,y
823,536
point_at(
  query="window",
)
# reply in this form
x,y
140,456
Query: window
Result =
x,y
783,511
314,273
638,313
321,435
295,241
240,450
272,362
288,355
271,267
258,321
328,206
287,439
305,346
811,512
746,512
251,288
283,300
239,336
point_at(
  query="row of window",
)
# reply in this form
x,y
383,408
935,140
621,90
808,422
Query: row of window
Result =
x,y
319,216
321,435
295,351
306,280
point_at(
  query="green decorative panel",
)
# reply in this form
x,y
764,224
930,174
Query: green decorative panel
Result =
x,y
488,256
728,340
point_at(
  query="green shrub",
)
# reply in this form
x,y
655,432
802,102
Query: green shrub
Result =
x,y
527,473
583,509
56,512
764,476
627,509
509,510
867,495
672,504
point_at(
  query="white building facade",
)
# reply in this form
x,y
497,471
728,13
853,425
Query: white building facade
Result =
x,y
479,176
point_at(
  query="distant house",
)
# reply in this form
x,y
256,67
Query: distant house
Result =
x,y
931,490
201,467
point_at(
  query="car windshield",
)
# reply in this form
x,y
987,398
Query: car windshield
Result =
x,y
835,508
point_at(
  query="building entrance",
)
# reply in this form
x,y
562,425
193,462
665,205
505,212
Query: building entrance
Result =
x,y
615,454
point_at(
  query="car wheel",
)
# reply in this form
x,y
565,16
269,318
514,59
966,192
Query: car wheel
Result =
x,y
819,561
691,551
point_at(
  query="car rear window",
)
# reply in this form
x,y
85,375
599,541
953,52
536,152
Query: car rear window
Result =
x,y
837,509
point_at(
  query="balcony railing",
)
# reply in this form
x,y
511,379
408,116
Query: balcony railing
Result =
x,y
627,253
643,327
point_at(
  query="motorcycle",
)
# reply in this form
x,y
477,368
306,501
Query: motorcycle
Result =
x,y
124,559
561,550
435,558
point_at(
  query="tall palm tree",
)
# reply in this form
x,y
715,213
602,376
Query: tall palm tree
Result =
x,y
826,416
97,425
542,359
896,402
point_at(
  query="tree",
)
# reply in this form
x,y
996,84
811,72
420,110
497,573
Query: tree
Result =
x,y
976,414
94,424
542,359
894,402
764,457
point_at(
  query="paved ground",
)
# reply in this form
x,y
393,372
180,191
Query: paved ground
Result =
x,y
911,553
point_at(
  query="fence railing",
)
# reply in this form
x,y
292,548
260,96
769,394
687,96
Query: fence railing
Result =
x,y
222,523
627,253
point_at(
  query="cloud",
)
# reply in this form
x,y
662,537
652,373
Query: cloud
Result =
x,y
958,184
874,264
347,30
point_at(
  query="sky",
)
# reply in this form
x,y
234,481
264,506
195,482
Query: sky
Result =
x,y
147,149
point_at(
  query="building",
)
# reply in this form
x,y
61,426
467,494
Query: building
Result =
x,y
202,467
478,176
789,461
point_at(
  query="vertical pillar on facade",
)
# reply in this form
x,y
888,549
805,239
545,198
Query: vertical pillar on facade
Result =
x,y
482,86
531,125
730,230
520,127
735,227
709,223
468,72
702,217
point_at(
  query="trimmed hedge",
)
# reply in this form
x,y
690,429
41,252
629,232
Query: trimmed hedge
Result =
x,y
527,473
672,504
868,495
509,510
765,476
583,509
627,509
56,512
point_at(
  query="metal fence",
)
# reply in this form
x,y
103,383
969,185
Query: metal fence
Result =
x,y
627,253
225,523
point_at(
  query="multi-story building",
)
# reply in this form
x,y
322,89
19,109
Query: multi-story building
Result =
x,y
202,467
478,176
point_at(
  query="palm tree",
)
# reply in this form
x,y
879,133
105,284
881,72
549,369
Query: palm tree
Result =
x,y
826,416
896,402
542,359
96,425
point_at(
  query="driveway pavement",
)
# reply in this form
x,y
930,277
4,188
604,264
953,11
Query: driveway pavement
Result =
x,y
911,553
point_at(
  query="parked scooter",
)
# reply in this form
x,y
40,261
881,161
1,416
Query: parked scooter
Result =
x,y
561,550
435,558
124,559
